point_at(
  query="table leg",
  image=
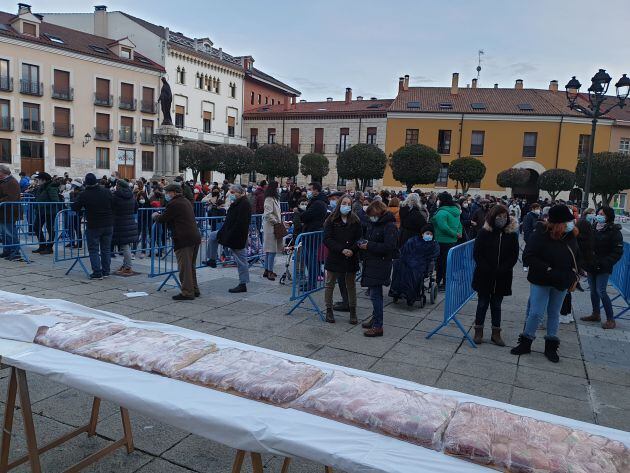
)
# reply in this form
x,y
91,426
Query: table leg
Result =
x,y
257,464
124,414
237,466
7,431
328,469
96,406
29,428
285,465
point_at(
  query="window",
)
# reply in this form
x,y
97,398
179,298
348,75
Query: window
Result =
x,y
476,143
273,101
253,138
5,115
102,158
529,144
233,90
61,85
253,177
125,53
319,141
126,157
32,149
147,132
253,96
30,117
179,116
442,180
147,161
295,140
259,99
271,136
584,144
30,80
525,107
102,131
371,136
343,139
5,151
126,133
444,142
266,100
55,39
445,106
61,125
217,86
624,145
148,100
5,78
478,106
29,28
200,81
207,122
340,182
180,75
411,136
62,155
231,125
127,101
413,104
102,96
98,49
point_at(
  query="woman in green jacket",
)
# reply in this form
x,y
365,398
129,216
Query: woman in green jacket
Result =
x,y
448,229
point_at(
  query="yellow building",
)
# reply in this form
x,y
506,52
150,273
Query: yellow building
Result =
x,y
505,128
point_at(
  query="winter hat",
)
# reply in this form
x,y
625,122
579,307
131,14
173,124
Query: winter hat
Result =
x,y
445,198
560,214
427,228
76,183
44,176
173,188
122,184
90,179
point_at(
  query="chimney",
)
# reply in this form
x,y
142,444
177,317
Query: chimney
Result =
x,y
23,8
401,84
406,82
328,99
454,83
553,86
496,86
359,97
287,102
348,95
474,83
518,84
100,21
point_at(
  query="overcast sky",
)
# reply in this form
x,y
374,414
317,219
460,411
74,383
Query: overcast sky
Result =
x,y
323,46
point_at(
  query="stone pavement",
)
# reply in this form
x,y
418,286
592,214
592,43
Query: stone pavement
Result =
x,y
590,383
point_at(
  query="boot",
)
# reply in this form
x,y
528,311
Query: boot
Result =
x,y
266,273
609,324
592,318
237,289
478,338
496,337
330,316
373,332
551,349
524,346
341,307
353,316
368,323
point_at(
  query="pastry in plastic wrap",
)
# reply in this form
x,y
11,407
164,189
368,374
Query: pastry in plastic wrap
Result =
x,y
148,350
519,444
252,374
409,415
27,309
70,333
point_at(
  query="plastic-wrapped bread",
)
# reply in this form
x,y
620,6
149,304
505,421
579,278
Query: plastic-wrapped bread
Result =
x,y
28,309
70,333
252,374
409,415
148,350
518,444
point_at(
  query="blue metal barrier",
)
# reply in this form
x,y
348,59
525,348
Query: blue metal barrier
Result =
x,y
308,272
200,209
620,280
460,267
71,239
284,207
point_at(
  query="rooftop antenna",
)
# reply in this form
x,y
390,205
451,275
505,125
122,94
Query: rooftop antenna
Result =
x,y
479,54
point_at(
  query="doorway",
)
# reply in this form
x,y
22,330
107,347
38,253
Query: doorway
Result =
x,y
126,161
32,157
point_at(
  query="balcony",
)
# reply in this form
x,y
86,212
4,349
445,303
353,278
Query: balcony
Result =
x,y
6,83
476,150
126,135
63,129
253,145
6,124
31,88
103,100
340,148
103,135
146,137
127,104
148,107
32,126
62,93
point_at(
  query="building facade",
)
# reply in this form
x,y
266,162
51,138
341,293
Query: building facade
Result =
x,y
620,143
516,127
262,89
74,102
327,128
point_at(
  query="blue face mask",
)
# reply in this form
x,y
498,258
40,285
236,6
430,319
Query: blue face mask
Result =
x,y
570,227
345,209
427,237
309,195
167,197
333,204
374,219
600,219
590,218
232,198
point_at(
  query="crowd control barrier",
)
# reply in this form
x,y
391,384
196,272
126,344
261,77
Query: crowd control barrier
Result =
x,y
71,239
200,209
620,280
460,266
284,207
308,270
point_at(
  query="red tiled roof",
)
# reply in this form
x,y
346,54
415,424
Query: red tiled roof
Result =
x,y
622,114
75,41
266,78
323,109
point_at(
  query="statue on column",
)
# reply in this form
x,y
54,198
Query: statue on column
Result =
x,y
166,100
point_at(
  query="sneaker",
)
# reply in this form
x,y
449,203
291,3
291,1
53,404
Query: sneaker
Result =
x,y
46,251
96,276
37,250
566,319
105,275
15,257
237,289
525,268
133,256
211,262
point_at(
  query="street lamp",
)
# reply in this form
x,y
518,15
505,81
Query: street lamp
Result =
x,y
596,98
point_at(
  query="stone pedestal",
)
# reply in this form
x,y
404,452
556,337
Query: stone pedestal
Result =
x,y
167,143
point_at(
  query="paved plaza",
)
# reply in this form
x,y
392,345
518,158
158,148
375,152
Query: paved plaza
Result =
x,y
590,383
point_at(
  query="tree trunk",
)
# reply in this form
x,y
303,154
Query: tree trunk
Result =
x,y
465,187
409,186
607,198
195,173
554,195
356,184
230,178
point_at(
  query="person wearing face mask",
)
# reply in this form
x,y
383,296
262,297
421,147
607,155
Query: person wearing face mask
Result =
x,y
465,217
317,209
342,230
607,250
495,253
144,219
448,229
551,255
271,217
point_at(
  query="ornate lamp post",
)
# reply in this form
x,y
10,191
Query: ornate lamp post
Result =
x,y
596,98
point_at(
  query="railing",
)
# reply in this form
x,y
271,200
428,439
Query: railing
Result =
x,y
620,280
252,145
32,126
127,104
7,124
476,150
103,135
126,135
31,88
63,129
217,133
103,100
309,255
146,137
339,148
148,107
62,93
6,83
320,149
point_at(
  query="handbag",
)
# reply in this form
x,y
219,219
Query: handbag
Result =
x,y
576,272
279,230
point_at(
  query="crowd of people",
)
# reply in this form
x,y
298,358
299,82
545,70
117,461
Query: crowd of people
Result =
x,y
392,239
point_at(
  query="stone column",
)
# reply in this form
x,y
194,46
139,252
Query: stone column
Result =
x,y
167,141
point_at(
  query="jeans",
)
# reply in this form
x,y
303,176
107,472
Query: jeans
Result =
x,y
240,257
10,237
541,299
376,294
492,300
598,284
126,251
270,259
440,266
99,247
349,283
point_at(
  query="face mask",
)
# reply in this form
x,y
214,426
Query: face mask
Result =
x,y
303,206
168,198
309,195
142,201
365,207
590,218
345,209
465,206
232,198
427,237
537,211
333,204
437,203
501,221
570,227
68,187
600,219
374,219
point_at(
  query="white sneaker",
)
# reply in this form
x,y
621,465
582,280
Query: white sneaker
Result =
x,y
566,319
525,268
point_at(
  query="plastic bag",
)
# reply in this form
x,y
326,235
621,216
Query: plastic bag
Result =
x,y
409,415
70,333
252,374
28,309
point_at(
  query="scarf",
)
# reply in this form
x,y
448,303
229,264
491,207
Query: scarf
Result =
x,y
600,226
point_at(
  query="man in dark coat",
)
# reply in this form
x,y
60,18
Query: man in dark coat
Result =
x,y
234,235
259,198
179,216
97,202
47,190
9,214
125,207
315,214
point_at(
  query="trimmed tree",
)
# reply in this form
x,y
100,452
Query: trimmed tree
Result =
x,y
555,181
196,156
415,164
361,162
465,171
314,165
513,177
610,174
275,160
233,160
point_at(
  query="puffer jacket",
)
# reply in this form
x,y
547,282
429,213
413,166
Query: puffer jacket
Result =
x,y
447,224
124,206
608,248
382,237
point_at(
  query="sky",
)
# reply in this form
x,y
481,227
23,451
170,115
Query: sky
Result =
x,y
321,47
